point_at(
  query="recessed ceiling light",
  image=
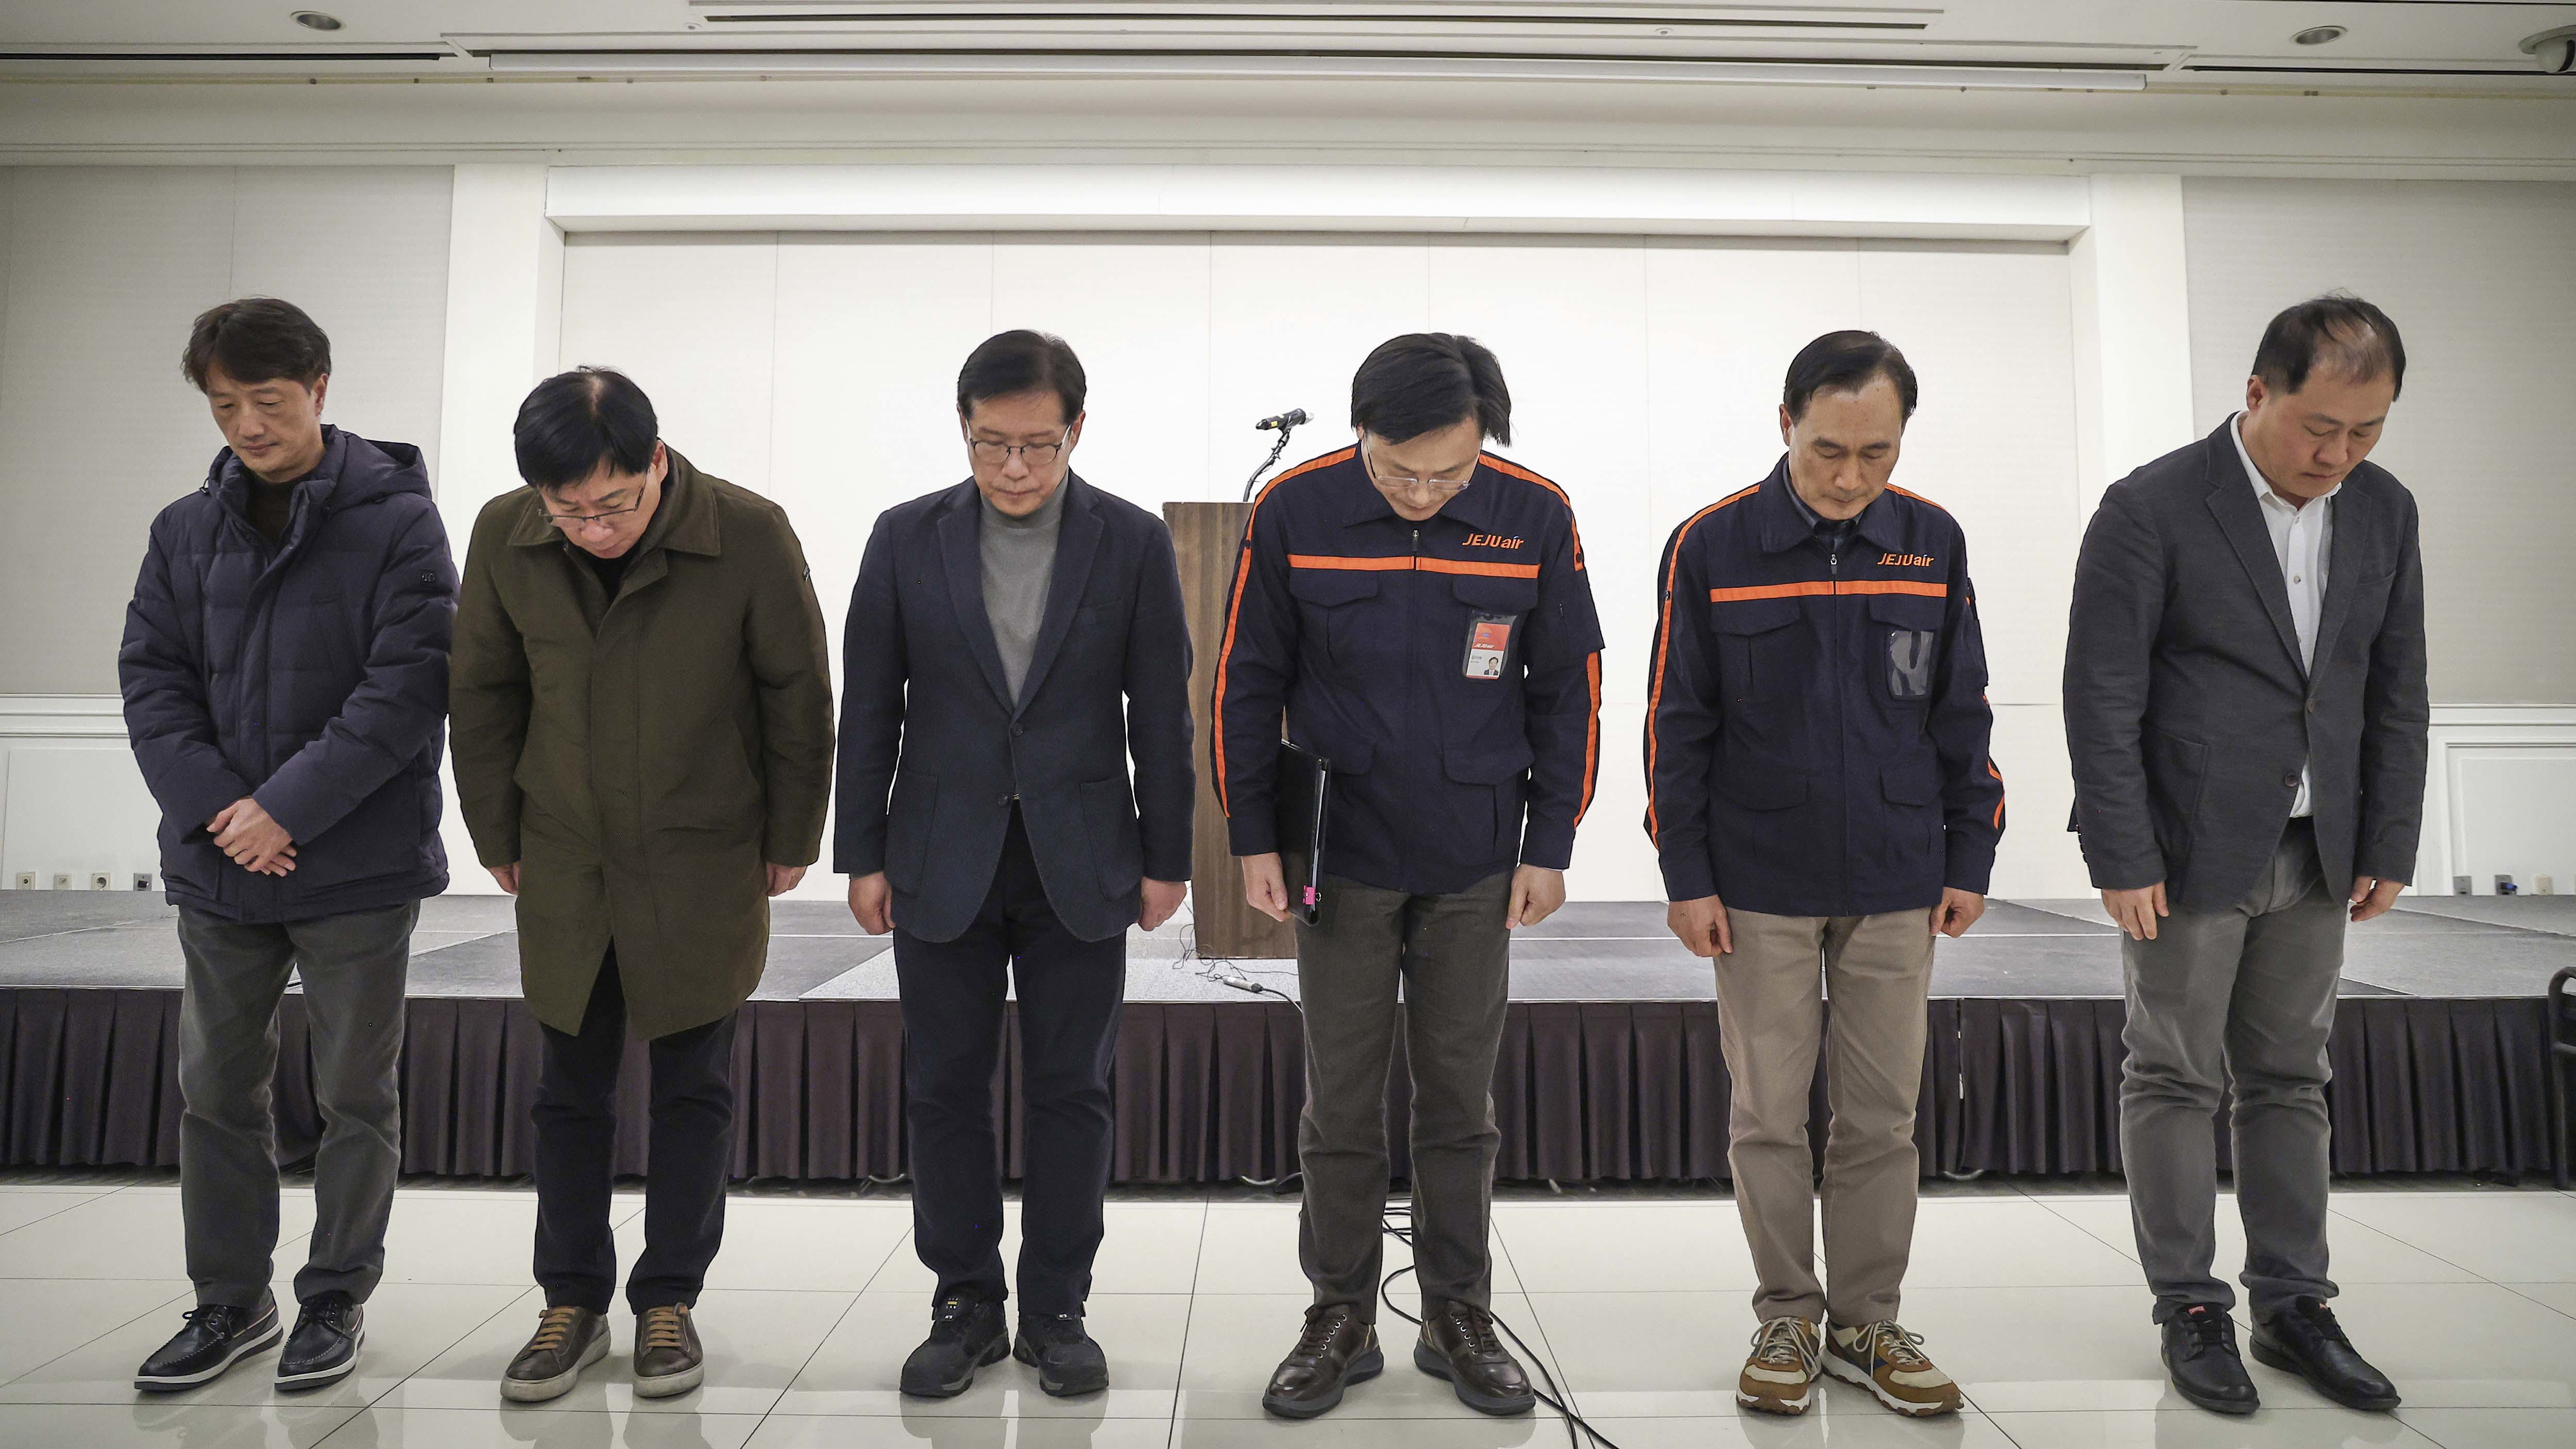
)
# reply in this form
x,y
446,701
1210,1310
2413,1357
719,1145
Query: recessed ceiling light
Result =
x,y
316,20
2319,35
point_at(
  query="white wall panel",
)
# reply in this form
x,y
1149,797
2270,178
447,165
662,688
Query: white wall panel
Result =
x,y
1988,335
692,322
1645,378
1136,311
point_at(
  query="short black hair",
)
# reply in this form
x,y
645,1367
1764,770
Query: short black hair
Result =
x,y
1019,361
1845,362
256,339
575,420
2337,331
1425,381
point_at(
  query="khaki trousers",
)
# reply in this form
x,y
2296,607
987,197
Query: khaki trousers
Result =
x,y
1770,999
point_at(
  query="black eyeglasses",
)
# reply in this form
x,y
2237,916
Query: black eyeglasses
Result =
x,y
567,520
1037,454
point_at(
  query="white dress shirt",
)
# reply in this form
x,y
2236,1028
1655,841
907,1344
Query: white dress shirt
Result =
x,y
2302,540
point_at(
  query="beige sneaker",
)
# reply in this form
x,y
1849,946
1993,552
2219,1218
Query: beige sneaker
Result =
x,y
1885,1359
1780,1377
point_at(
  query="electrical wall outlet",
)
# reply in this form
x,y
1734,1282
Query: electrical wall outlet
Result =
x,y
2460,886
2547,885
143,880
62,882
98,882
26,880
2506,887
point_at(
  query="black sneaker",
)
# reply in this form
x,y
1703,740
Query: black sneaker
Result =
x,y
216,1337
324,1346
1067,1361
967,1331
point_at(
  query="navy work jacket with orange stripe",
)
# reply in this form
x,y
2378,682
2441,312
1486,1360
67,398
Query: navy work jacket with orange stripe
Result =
x,y
1817,726
1449,670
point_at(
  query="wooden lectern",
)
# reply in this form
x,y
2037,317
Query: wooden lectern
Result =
x,y
1205,537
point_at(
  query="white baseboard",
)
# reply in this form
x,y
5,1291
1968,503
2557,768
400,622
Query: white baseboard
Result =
x,y
2499,798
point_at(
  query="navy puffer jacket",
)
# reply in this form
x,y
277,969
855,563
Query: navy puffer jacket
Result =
x,y
309,674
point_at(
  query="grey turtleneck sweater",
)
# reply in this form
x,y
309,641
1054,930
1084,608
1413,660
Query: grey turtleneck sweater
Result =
x,y
1019,563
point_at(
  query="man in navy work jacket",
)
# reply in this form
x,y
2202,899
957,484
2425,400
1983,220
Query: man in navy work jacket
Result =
x,y
1420,610
1013,641
285,679
1822,800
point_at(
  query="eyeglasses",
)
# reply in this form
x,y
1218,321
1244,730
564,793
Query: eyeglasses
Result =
x,y
1038,454
568,520
1390,482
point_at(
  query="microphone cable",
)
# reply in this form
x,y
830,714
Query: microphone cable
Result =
x,y
1287,423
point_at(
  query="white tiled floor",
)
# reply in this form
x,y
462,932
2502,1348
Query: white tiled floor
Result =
x,y
2467,1299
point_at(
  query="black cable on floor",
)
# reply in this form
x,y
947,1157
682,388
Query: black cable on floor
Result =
x,y
1552,1396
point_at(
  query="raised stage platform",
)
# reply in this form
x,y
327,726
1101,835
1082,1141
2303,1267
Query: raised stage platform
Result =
x,y
1610,1070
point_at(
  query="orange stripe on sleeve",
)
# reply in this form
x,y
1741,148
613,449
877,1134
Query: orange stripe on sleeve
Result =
x,y
1591,742
1234,614
1999,800
1663,649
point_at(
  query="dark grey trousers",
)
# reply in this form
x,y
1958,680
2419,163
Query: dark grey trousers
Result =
x,y
1452,957
2248,996
353,968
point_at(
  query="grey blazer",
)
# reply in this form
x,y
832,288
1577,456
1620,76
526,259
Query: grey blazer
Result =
x,y
2187,711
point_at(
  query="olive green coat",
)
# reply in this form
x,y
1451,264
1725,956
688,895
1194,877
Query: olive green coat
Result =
x,y
643,758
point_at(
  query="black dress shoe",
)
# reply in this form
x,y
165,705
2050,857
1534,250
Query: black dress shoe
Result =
x,y
1336,1351
1067,1361
216,1337
1458,1343
967,1331
2200,1353
324,1346
2304,1339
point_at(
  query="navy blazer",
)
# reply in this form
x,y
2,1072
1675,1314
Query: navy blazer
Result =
x,y
934,752
2188,712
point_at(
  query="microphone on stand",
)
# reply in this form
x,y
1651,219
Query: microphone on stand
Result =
x,y
1283,424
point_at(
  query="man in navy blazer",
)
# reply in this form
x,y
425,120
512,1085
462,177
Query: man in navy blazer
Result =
x,y
1013,641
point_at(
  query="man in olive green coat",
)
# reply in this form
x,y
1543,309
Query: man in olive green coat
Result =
x,y
643,722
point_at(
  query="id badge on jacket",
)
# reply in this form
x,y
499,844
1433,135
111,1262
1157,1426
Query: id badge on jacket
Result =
x,y
1489,644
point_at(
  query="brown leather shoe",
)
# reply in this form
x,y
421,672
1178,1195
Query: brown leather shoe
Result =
x,y
568,1339
1459,1344
1336,1351
667,1357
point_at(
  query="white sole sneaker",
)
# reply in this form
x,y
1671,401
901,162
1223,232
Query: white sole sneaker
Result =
x,y
1787,1408
1850,1373
671,1385
538,1391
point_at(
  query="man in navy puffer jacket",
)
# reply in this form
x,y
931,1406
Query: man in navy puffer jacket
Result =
x,y
285,679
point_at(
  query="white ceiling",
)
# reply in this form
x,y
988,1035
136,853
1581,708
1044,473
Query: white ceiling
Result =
x,y
2415,45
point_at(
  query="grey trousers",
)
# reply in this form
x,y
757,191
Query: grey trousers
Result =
x,y
353,968
1771,992
1452,956
2249,995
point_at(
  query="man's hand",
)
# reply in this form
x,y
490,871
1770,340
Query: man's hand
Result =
x,y
783,878
872,903
1162,898
2371,897
1701,926
1536,893
1265,885
1957,912
253,840
507,875
2136,911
